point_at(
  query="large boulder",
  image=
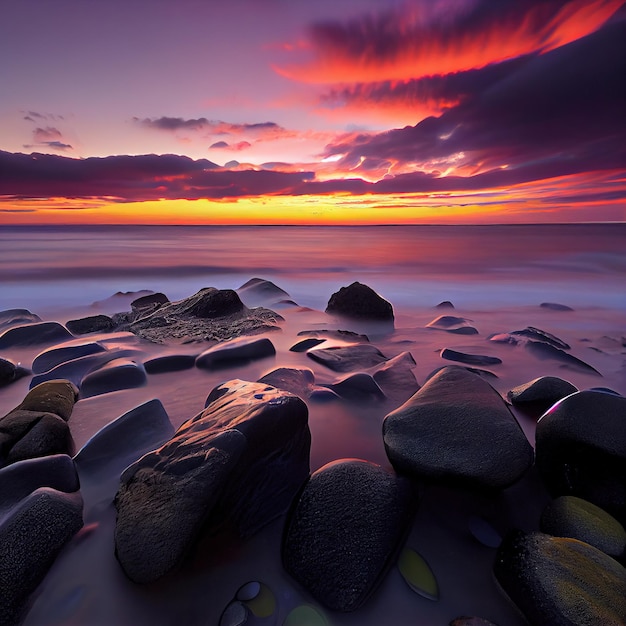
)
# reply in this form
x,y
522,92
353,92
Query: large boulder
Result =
x,y
258,291
235,352
117,374
581,449
345,531
91,324
360,302
52,357
541,393
237,464
13,317
561,582
34,334
457,429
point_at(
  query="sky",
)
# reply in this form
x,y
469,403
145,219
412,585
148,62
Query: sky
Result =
x,y
325,112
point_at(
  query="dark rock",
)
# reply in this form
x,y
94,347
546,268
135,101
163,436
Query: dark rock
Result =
x,y
471,621
235,352
342,335
298,381
581,449
446,304
149,303
569,516
54,396
536,334
235,465
349,358
170,363
306,344
32,533
475,370
34,334
452,324
541,393
471,359
91,324
11,317
547,351
457,429
359,387
553,306
395,377
360,302
10,372
345,531
52,357
207,303
115,375
258,291
561,582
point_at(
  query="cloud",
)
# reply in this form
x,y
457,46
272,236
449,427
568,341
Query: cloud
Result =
x,y
218,144
173,123
49,137
212,127
235,147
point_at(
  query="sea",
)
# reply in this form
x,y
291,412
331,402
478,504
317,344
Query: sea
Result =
x,y
51,268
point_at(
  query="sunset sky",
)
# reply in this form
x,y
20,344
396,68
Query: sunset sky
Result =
x,y
289,111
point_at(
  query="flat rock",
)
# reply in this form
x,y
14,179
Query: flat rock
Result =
x,y
237,464
121,373
561,582
34,334
531,333
170,363
298,381
258,291
10,372
457,429
555,306
12,317
541,393
360,302
452,324
32,533
90,324
343,335
348,358
359,387
235,352
569,516
581,449
52,357
306,344
395,377
345,531
544,350
53,396
471,359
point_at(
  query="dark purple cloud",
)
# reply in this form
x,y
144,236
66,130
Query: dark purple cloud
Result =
x,y
219,144
215,127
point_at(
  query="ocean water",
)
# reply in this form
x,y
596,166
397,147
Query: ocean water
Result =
x,y
50,268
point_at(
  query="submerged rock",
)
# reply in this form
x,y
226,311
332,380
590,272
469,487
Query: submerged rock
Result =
x,y
360,302
235,352
52,357
581,449
555,306
236,464
452,324
470,359
457,429
11,317
349,358
117,374
561,582
547,351
34,334
345,531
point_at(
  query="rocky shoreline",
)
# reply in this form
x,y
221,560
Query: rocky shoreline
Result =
x,y
171,495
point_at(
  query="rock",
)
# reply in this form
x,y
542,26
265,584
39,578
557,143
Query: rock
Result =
x,y
149,303
349,358
345,530
170,363
457,429
359,387
395,377
417,574
541,393
236,465
298,381
258,291
471,359
547,351
360,302
569,516
306,344
553,306
475,370
11,317
115,375
91,324
10,372
53,396
34,334
471,621
446,304
235,352
32,533
561,582
342,335
581,449
452,324
52,357
536,334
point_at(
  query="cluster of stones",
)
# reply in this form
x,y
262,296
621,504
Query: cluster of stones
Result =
x,y
244,460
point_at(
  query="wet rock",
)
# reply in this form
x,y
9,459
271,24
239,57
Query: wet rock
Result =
x,y
34,334
446,304
569,516
471,359
32,533
117,374
54,396
149,303
298,381
359,387
306,344
10,372
471,621
170,363
349,358
235,352
452,324
530,333
11,317
345,530
395,377
258,291
91,324
581,449
487,374
237,464
561,582
52,357
541,393
457,429
547,351
342,335
554,306
360,302
417,574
